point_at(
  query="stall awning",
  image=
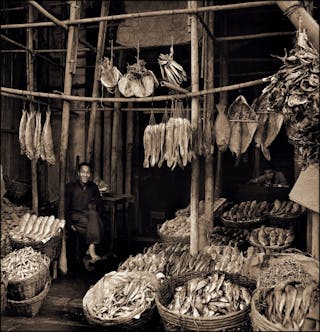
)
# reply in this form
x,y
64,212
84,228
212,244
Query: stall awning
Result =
x,y
306,189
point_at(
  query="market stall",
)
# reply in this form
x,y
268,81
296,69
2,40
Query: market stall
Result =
x,y
228,253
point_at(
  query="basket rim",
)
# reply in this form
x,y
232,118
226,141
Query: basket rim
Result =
x,y
242,224
57,234
287,218
121,319
36,298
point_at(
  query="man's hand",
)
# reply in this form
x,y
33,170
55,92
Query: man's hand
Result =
x,y
73,228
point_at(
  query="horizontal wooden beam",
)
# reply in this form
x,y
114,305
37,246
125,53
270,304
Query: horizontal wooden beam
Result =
x,y
255,36
169,12
145,99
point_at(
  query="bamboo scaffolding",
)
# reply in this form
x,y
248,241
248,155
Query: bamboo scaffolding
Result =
x,y
169,12
129,150
114,144
95,89
31,86
69,69
209,178
173,87
119,158
68,97
195,171
27,49
254,36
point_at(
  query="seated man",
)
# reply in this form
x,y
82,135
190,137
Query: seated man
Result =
x,y
84,208
270,177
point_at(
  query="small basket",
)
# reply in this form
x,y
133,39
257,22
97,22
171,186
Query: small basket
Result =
x,y
253,223
225,322
4,286
28,288
51,248
29,307
121,323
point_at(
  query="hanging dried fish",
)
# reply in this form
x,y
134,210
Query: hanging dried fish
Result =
x,y
22,131
47,141
37,136
110,75
30,127
222,128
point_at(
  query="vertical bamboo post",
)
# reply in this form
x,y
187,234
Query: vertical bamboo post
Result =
x,y
107,147
95,89
194,199
119,158
136,172
31,87
97,145
205,226
115,143
223,100
69,69
129,148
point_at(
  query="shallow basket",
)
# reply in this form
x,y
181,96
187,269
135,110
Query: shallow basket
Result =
x,y
51,248
227,322
121,323
269,248
28,288
29,307
253,223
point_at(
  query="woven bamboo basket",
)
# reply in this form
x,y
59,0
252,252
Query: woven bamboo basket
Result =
x,y
51,248
226,322
29,307
268,249
4,285
253,223
119,323
28,288
174,239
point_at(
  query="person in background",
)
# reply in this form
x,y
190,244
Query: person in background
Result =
x,y
84,209
270,177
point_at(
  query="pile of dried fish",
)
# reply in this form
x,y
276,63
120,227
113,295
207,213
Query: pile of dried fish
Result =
x,y
123,294
110,75
35,141
23,263
288,304
170,141
244,122
294,93
138,81
209,297
271,236
286,209
223,236
171,71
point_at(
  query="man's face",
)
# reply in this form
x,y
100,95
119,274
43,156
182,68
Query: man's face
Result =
x,y
84,174
268,174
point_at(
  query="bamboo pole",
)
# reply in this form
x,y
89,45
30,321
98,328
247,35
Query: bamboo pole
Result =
x,y
114,144
68,97
107,147
31,86
300,18
194,198
95,89
169,12
254,36
69,68
173,87
136,175
119,157
129,150
209,179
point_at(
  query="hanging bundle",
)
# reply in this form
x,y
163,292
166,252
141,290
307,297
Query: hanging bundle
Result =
x,y
110,75
171,71
37,135
222,128
29,136
22,130
47,151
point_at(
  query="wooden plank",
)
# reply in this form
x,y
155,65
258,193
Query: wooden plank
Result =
x,y
95,90
195,169
31,86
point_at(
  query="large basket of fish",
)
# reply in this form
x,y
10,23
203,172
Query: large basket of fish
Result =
x,y
121,300
285,214
175,230
205,301
287,297
29,307
249,214
43,234
4,285
271,238
27,271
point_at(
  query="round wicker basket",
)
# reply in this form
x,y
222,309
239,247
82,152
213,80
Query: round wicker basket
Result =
x,y
226,322
120,323
29,307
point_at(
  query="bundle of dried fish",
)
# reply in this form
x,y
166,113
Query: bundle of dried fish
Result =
x,y
222,128
47,151
22,130
294,94
110,75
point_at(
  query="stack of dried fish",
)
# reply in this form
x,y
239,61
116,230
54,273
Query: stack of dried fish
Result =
x,y
138,81
228,236
294,92
35,141
244,122
110,75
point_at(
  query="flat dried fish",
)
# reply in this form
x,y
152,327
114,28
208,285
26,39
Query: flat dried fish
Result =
x,y
235,138
30,127
248,130
222,128
22,131
37,136
46,140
